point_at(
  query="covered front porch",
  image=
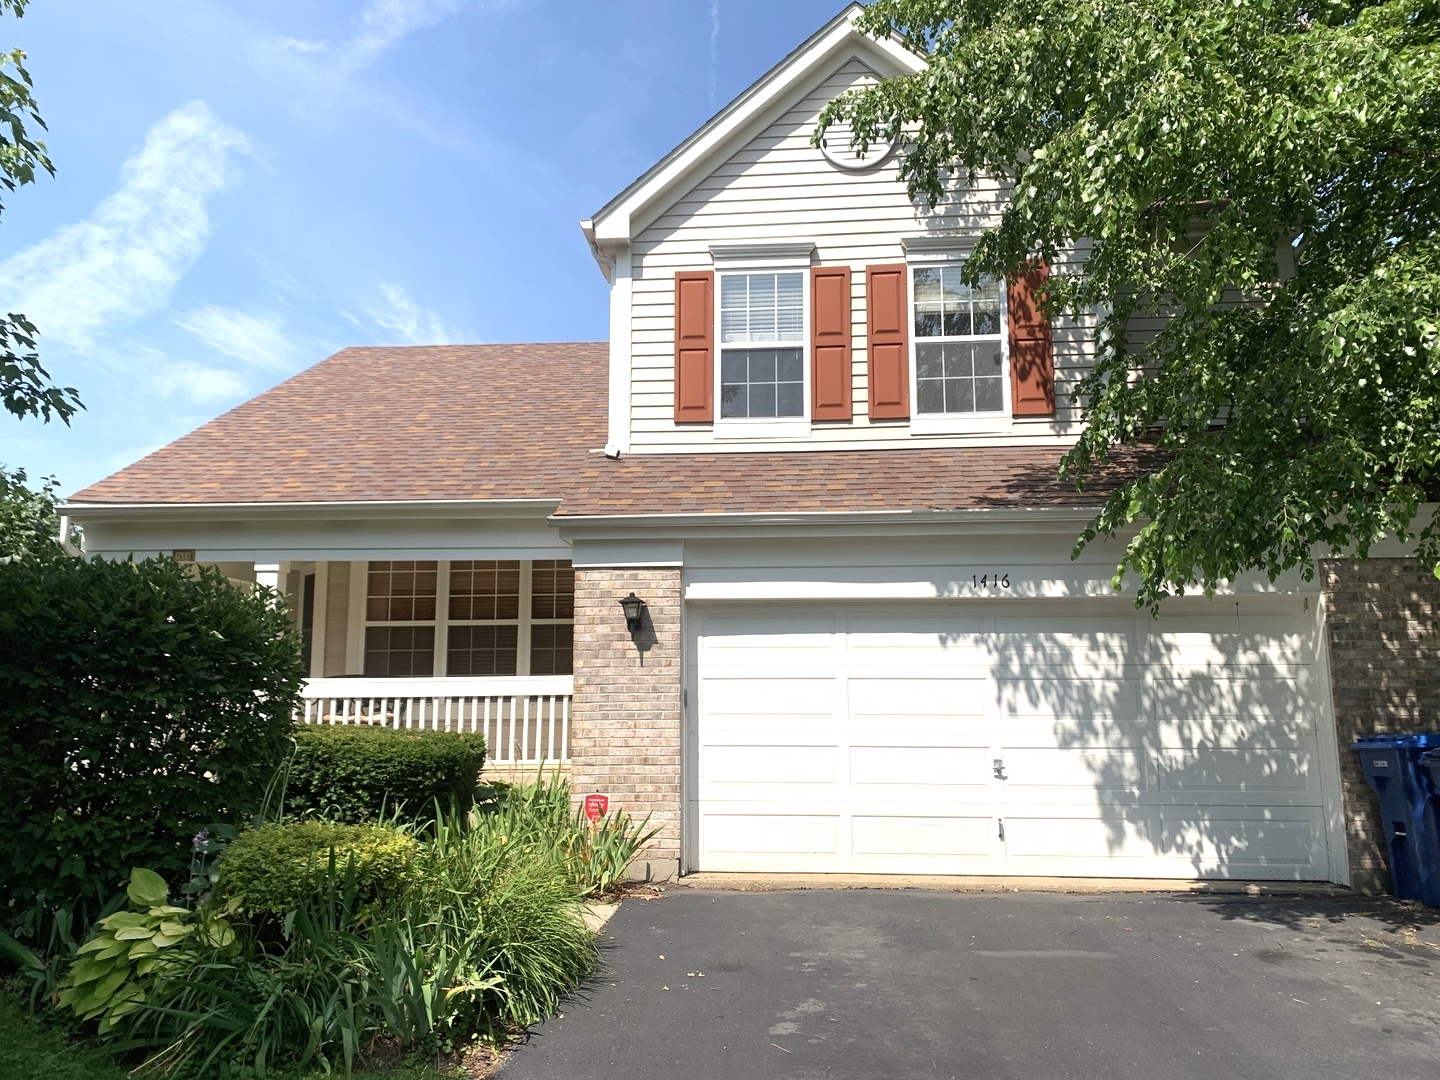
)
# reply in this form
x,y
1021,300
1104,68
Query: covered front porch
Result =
x,y
450,617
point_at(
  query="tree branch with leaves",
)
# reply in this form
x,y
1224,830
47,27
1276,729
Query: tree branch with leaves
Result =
x,y
1261,175
25,386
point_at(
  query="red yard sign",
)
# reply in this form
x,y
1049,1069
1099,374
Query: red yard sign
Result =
x,y
596,806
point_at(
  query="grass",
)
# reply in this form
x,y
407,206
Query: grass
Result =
x,y
29,1050
33,1051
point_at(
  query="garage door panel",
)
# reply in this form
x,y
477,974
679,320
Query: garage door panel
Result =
x,y
1093,770
1205,642
1235,769
1244,841
1070,699
770,698
1122,836
750,766
920,766
1270,702
873,697
1277,734
771,834
1082,647
728,638
943,642
925,837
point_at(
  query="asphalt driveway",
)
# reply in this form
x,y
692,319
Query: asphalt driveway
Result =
x,y
870,983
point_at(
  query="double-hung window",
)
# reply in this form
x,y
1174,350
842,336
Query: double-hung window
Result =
x,y
470,617
762,345
959,351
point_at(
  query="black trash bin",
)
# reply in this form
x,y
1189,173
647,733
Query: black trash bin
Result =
x,y
1408,806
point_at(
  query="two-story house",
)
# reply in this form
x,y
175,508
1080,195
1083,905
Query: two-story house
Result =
x,y
823,470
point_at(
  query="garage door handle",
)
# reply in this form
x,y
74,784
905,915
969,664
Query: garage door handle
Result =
x,y
1002,827
1000,769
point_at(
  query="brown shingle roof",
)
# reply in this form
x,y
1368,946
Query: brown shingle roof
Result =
x,y
424,422
496,422
818,481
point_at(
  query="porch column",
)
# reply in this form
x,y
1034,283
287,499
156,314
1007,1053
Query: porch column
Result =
x,y
625,732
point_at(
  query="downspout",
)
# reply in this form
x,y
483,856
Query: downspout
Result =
x,y
64,538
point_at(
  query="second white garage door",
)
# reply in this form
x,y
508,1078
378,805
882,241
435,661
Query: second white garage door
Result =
x,y
1079,738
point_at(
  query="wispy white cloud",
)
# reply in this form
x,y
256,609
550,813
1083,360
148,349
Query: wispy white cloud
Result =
x,y
384,22
714,46
259,339
407,320
153,372
122,262
198,383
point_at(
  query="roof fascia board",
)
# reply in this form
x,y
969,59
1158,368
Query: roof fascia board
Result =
x,y
766,99
832,523
313,511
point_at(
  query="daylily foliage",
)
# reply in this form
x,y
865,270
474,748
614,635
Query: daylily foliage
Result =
x,y
1263,174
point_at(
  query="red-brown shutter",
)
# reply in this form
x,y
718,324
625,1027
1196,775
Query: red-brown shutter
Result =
x,y
1032,351
695,347
887,322
830,343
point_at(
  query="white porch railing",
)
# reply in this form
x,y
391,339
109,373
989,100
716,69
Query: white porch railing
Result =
x,y
525,719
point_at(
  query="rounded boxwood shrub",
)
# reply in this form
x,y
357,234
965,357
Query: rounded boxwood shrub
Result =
x,y
276,869
355,774
140,702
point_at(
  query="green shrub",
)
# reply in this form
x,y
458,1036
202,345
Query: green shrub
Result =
x,y
486,936
277,869
357,774
139,703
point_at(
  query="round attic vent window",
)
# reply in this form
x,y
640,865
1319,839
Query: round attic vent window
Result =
x,y
838,148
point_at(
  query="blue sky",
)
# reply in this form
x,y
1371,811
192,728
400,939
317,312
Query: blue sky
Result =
x,y
242,189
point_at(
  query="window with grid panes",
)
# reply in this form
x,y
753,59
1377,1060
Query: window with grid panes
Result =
x,y
484,617
959,362
552,617
483,624
400,619
762,355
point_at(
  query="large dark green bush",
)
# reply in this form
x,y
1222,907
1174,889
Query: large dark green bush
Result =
x,y
357,773
139,702
276,869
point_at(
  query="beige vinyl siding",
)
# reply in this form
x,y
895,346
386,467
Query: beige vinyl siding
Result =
x,y
778,188
337,617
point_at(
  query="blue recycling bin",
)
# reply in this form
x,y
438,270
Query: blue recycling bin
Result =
x,y
1430,762
1409,808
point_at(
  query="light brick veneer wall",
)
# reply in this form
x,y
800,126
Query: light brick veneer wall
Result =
x,y
625,726
1383,625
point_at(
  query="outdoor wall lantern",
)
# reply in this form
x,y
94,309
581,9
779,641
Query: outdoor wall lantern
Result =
x,y
633,606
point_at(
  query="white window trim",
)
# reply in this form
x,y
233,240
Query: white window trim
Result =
x,y
779,427
994,423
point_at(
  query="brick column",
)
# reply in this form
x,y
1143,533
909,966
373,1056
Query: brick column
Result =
x,y
1383,626
625,722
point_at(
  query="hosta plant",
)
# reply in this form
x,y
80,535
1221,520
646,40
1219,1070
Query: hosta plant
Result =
x,y
128,948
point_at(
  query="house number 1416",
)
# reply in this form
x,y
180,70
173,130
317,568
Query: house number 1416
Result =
x,y
990,581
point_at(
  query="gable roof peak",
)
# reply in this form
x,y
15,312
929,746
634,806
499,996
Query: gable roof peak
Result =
x,y
612,227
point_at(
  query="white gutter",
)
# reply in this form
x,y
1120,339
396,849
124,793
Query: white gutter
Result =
x,y
411,508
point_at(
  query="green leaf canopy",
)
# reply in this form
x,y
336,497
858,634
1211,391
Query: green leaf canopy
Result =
x,y
1255,181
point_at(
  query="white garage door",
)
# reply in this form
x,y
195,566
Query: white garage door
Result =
x,y
1023,737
